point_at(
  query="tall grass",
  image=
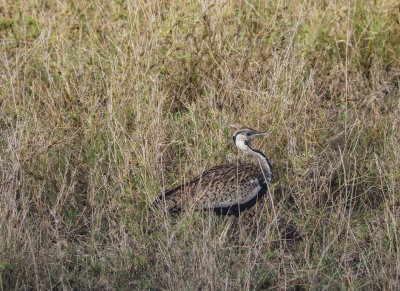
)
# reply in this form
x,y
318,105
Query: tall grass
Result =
x,y
103,104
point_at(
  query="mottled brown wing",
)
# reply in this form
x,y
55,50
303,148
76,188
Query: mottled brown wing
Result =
x,y
219,187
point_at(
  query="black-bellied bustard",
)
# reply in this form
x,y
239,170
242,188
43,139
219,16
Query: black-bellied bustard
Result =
x,y
228,188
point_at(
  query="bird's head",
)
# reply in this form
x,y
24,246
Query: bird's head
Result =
x,y
243,137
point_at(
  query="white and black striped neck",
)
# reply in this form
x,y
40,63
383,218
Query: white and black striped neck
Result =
x,y
242,141
261,160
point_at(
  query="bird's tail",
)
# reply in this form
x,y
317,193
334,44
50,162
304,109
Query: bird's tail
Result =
x,y
163,203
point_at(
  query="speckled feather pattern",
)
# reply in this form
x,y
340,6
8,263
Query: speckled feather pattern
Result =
x,y
222,186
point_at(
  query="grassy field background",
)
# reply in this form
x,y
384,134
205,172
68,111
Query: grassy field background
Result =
x,y
105,103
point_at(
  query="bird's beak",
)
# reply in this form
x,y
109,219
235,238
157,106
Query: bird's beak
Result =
x,y
260,133
257,134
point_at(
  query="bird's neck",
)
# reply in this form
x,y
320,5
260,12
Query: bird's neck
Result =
x,y
259,159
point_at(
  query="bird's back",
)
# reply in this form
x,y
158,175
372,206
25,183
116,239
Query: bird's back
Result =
x,y
228,188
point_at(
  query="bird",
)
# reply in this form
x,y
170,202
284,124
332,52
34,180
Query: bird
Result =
x,y
228,189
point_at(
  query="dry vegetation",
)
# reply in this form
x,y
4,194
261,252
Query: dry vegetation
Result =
x,y
105,103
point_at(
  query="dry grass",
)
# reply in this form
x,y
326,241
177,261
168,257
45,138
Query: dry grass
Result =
x,y
105,103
